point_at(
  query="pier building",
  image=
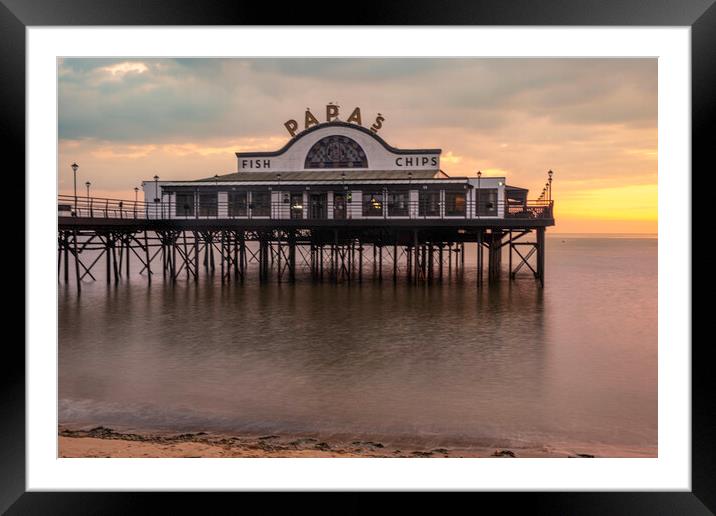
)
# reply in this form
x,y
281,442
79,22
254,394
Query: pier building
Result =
x,y
336,199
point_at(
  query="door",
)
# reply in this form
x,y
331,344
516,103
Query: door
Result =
x,y
318,205
339,206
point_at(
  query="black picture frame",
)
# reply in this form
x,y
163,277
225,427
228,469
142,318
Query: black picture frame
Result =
x,y
700,15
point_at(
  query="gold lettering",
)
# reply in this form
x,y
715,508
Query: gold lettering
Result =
x,y
331,112
310,119
355,116
378,123
291,126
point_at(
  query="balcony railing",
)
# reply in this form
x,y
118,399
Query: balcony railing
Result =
x,y
104,208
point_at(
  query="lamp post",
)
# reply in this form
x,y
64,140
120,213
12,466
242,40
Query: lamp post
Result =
x,y
477,206
549,182
156,194
75,166
89,202
136,192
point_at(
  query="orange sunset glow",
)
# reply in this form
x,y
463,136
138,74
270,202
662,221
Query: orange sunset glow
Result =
x,y
592,121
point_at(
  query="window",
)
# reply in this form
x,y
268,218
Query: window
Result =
x,y
296,205
398,204
455,204
486,201
185,205
336,151
208,204
429,204
237,204
260,204
372,204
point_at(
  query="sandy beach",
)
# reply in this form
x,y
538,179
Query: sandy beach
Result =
x,y
106,442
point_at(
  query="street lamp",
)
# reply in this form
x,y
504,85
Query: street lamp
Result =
x,y
89,202
136,192
479,177
549,181
75,166
156,189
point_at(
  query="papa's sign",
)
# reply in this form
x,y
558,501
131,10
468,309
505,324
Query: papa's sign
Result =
x,y
332,112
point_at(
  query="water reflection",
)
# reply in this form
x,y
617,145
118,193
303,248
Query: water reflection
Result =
x,y
447,360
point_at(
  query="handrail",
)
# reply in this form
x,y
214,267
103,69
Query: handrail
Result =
x,y
87,207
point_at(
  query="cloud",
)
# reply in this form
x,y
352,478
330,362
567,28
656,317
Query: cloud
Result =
x,y
119,70
450,158
166,99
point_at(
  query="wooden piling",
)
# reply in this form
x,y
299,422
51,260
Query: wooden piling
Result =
x,y
147,257
395,262
66,249
77,261
540,254
292,257
360,261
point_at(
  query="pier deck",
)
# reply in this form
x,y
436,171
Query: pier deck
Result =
x,y
419,248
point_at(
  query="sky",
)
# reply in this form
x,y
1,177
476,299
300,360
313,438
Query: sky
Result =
x,y
592,121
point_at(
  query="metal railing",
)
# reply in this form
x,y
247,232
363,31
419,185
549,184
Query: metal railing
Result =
x,y
105,208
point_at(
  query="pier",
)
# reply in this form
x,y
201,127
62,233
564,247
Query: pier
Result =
x,y
97,237
336,200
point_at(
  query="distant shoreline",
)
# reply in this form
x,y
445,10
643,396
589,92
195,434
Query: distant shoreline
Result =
x,y
554,234
105,442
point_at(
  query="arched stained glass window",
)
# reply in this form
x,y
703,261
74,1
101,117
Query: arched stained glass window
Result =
x,y
336,152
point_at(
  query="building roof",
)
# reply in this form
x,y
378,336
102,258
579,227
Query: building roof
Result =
x,y
335,123
327,175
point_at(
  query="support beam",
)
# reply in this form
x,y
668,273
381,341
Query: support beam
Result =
x,y
495,255
480,256
149,260
540,254
292,257
77,262
416,248
360,261
279,245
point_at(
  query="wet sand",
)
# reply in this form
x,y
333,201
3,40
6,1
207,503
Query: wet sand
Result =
x,y
106,442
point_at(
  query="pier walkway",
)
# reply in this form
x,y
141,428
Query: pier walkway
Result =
x,y
413,240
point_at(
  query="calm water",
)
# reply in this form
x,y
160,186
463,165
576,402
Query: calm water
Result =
x,y
573,363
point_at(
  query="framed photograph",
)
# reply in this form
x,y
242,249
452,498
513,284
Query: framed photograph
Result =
x,y
446,253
